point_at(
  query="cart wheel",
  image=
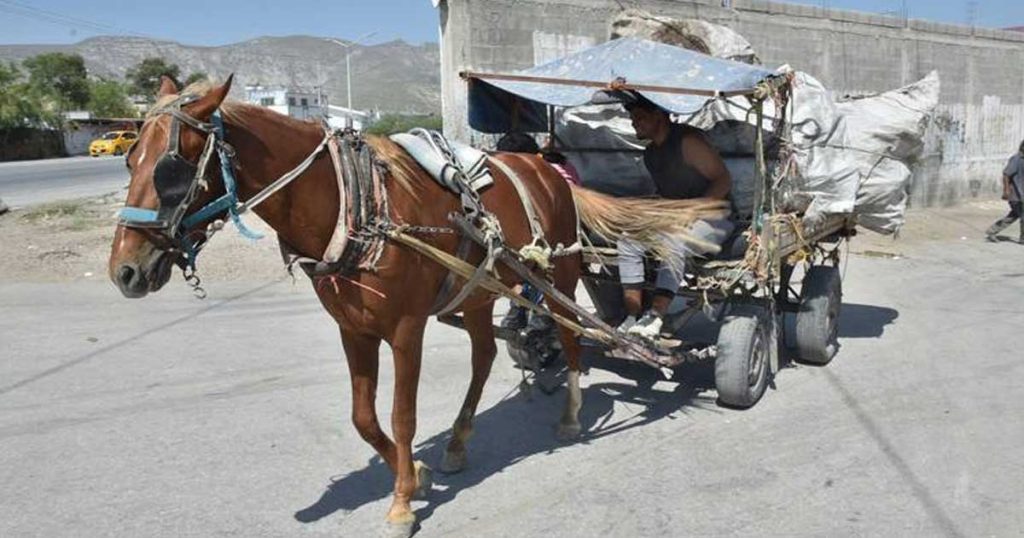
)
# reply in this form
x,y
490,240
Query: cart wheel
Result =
x,y
743,360
817,322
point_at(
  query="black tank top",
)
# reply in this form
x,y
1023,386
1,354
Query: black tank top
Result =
x,y
672,176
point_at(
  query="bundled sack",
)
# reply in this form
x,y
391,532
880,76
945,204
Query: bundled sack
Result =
x,y
854,156
693,34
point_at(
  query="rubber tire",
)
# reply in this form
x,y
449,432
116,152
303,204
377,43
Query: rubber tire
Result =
x,y
817,322
741,337
118,152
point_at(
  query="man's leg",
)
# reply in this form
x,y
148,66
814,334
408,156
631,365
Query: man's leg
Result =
x,y
999,225
631,276
1017,208
515,318
669,279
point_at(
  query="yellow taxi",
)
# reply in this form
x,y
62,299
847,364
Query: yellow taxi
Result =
x,y
113,143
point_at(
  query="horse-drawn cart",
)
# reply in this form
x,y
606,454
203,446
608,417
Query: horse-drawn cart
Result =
x,y
777,262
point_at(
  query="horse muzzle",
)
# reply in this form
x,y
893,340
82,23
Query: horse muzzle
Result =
x,y
136,280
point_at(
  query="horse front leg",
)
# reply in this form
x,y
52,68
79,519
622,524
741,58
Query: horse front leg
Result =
x,y
363,356
411,477
481,334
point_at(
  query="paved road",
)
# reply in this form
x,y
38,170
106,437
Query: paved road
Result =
x,y
171,417
32,182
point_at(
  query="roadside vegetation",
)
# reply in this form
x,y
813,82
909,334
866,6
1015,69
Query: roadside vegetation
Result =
x,y
390,124
76,215
38,92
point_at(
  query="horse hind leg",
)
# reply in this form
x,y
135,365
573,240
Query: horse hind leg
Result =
x,y
481,333
566,277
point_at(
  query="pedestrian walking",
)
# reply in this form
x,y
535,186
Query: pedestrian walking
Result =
x,y
1013,193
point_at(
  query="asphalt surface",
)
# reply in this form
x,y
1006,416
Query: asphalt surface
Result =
x,y
25,183
173,417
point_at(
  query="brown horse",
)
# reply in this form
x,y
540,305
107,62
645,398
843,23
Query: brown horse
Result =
x,y
392,303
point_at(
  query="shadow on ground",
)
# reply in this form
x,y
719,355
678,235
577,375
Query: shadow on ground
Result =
x,y
865,321
521,425
516,428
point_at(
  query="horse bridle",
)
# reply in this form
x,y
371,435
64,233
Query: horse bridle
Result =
x,y
178,181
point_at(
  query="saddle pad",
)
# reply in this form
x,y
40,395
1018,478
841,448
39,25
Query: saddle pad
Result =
x,y
425,147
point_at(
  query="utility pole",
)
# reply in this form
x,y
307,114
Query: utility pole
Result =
x,y
348,63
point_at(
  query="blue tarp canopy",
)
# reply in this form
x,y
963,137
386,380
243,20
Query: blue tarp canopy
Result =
x,y
676,79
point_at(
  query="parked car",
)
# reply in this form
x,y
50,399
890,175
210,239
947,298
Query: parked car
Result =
x,y
113,143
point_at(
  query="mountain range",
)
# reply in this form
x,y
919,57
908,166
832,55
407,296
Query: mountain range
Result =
x,y
392,77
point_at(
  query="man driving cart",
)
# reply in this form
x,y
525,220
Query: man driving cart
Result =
x,y
683,165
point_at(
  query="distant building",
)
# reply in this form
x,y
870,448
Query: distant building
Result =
x,y
341,117
298,103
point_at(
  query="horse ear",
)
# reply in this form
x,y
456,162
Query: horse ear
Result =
x,y
204,107
167,86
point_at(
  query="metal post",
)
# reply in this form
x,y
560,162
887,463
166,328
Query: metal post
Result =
x,y
348,75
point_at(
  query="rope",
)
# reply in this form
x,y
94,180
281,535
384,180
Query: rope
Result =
x,y
284,180
489,283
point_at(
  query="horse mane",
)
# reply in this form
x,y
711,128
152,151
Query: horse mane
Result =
x,y
199,88
402,168
235,111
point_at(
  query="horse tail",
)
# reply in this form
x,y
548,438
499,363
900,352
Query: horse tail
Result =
x,y
655,223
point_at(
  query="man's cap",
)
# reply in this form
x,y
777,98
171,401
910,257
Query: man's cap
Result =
x,y
626,98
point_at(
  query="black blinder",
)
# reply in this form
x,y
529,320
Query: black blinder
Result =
x,y
173,178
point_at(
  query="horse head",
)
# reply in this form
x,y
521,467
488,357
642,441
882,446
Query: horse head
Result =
x,y
168,181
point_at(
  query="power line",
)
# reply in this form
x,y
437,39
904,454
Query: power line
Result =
x,y
62,19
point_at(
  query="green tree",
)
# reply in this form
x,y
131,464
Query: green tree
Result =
x,y
390,124
109,99
196,77
145,76
20,104
61,76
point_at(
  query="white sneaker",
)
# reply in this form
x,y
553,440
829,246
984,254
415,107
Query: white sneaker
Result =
x,y
648,326
627,324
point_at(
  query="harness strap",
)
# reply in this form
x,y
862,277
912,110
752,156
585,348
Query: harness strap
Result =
x,y
284,180
176,112
538,251
336,246
444,295
495,246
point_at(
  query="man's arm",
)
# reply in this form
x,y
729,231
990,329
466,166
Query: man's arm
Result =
x,y
706,160
1006,187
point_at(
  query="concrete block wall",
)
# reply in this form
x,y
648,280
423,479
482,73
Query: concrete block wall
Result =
x,y
982,70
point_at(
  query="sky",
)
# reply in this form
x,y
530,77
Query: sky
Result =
x,y
219,22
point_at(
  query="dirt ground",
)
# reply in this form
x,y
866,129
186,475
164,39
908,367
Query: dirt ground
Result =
x,y
70,241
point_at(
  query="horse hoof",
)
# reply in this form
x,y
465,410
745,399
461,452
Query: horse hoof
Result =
x,y
424,480
399,529
454,462
568,432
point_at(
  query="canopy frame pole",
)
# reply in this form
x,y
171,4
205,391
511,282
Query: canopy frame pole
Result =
x,y
618,84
